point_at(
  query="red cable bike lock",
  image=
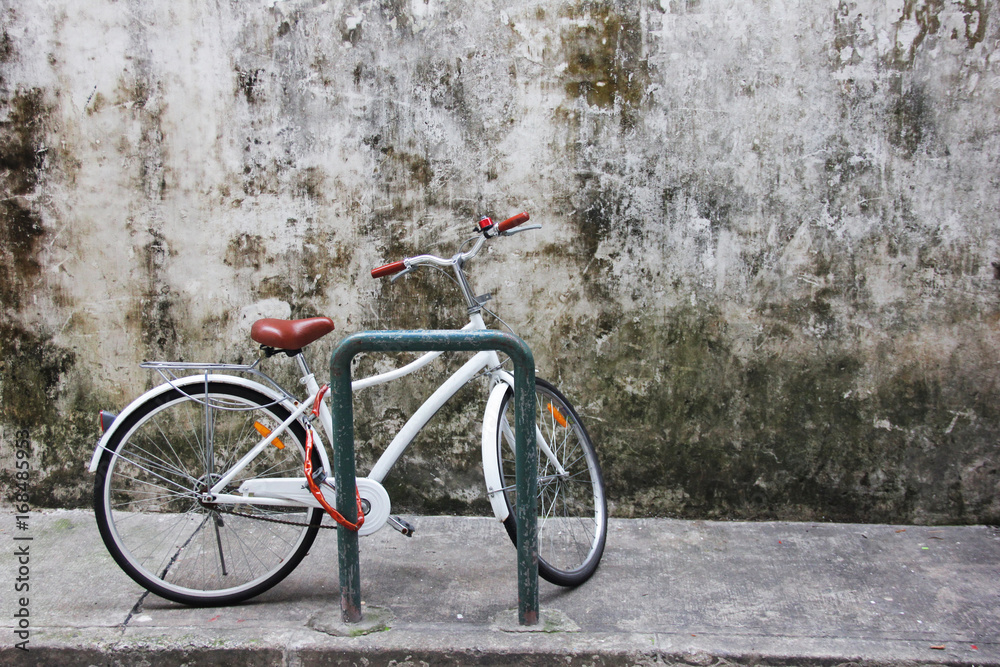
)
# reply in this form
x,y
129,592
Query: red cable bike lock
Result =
x,y
334,514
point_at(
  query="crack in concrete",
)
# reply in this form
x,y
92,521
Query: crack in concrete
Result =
x,y
136,608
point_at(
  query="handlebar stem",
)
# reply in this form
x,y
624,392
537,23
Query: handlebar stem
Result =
x,y
457,262
463,283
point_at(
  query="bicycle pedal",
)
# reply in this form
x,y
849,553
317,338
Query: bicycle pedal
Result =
x,y
403,526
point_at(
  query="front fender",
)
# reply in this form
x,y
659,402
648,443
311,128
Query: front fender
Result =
x,y
491,460
181,383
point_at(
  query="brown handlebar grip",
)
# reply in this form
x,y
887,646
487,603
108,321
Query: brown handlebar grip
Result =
x,y
388,269
511,223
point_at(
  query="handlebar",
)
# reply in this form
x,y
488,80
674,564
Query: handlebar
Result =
x,y
488,230
388,269
512,222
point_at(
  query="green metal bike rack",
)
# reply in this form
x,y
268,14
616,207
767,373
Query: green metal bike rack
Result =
x,y
525,465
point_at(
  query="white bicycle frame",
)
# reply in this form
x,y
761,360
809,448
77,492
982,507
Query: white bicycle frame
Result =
x,y
290,491
487,360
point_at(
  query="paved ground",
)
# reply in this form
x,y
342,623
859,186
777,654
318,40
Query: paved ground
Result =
x,y
667,592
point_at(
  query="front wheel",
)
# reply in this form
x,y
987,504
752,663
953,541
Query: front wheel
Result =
x,y
150,495
572,509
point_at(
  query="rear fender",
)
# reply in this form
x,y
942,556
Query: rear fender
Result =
x,y
182,383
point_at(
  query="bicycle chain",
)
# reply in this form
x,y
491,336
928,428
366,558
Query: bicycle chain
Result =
x,y
269,519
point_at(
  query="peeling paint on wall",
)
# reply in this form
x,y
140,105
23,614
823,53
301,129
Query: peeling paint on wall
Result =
x,y
766,277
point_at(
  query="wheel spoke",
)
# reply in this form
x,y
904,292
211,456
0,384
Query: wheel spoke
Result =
x,y
155,519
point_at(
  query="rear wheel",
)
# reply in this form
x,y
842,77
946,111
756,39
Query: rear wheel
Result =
x,y
572,510
149,505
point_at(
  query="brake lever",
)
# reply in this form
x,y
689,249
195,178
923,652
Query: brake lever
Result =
x,y
409,269
518,230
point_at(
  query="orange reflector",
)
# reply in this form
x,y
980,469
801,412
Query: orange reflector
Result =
x,y
265,431
558,415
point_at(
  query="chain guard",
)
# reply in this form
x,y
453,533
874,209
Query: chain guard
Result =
x,y
372,493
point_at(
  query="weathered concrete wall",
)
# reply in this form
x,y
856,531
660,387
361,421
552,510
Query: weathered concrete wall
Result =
x,y
766,276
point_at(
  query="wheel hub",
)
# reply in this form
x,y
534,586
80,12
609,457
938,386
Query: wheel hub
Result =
x,y
202,487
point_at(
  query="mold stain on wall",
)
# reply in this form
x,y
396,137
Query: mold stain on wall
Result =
x,y
35,370
603,53
825,435
32,366
816,442
976,18
154,312
22,161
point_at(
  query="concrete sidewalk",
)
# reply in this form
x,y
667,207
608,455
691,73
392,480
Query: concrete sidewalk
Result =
x,y
667,592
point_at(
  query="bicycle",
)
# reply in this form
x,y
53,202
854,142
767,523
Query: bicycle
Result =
x,y
211,487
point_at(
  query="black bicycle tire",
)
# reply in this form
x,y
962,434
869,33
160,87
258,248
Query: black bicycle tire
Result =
x,y
552,574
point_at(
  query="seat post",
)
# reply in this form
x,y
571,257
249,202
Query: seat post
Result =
x,y
300,359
